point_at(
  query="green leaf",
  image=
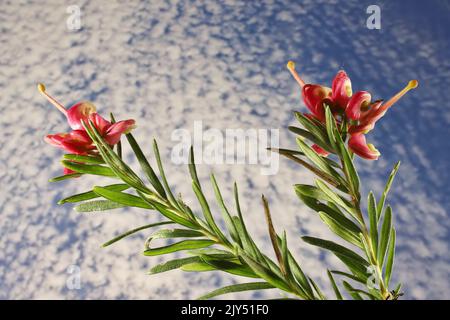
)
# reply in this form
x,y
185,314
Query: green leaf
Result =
x,y
91,194
336,199
390,258
335,287
386,190
349,167
84,159
348,275
121,169
265,273
315,128
291,154
175,233
225,213
308,135
199,266
169,213
207,212
237,288
351,291
372,212
317,289
318,160
123,198
163,175
88,168
65,177
130,232
119,144
173,264
179,246
330,124
97,205
340,230
384,236
192,169
336,249
145,165
232,267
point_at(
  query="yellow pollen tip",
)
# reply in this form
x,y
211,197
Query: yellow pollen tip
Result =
x,y
291,65
413,84
41,87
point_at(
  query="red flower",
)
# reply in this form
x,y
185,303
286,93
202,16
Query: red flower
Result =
x,y
357,143
361,114
315,96
78,141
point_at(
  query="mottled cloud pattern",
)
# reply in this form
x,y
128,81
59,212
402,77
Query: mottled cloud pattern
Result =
x,y
170,63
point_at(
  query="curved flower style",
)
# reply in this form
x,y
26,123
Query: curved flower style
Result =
x,y
357,110
78,141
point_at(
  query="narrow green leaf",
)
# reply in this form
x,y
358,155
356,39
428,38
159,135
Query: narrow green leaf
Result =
x,y
372,212
272,233
348,275
232,267
225,213
65,177
130,232
84,159
168,213
308,135
173,264
390,258
351,291
336,199
179,246
88,168
317,160
98,205
91,194
349,167
384,235
121,169
163,175
386,189
199,266
207,212
265,273
317,289
340,230
330,123
145,165
119,144
192,169
173,233
237,288
123,198
334,285
337,249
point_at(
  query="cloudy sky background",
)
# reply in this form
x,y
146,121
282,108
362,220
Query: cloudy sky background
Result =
x,y
170,63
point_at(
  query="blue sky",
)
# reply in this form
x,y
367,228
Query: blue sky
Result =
x,y
170,63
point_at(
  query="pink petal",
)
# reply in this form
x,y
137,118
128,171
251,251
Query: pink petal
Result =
x,y
358,101
319,150
100,123
357,143
68,171
79,112
314,96
114,132
342,89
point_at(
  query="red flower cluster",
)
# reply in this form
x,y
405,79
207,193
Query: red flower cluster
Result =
x,y
78,141
358,109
